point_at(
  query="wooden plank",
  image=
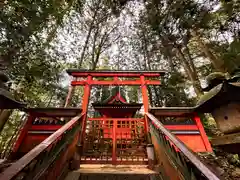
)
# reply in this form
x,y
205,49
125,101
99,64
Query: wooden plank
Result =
x,y
49,127
226,139
115,82
111,73
117,119
181,127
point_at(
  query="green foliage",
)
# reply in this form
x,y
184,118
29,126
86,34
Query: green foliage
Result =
x,y
173,93
24,25
39,39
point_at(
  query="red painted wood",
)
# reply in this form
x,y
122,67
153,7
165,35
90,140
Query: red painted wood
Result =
x,y
109,118
57,167
23,133
85,101
181,127
116,83
203,134
145,100
120,133
193,142
44,127
31,141
117,112
17,166
114,139
196,142
116,98
99,74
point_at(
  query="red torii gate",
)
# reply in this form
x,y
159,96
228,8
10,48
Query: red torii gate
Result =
x,y
88,79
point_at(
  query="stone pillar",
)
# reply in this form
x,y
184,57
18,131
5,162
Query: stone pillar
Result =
x,y
151,156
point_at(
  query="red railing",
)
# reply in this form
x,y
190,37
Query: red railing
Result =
x,y
48,159
183,164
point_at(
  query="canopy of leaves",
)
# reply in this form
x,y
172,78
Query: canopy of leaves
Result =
x,y
40,39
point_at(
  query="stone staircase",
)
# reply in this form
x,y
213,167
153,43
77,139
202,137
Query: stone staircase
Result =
x,y
111,172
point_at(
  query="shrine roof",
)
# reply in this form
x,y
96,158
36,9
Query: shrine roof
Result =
x,y
7,101
54,112
102,72
221,94
116,100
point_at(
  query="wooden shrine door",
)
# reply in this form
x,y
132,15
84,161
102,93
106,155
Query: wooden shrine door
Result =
x,y
114,141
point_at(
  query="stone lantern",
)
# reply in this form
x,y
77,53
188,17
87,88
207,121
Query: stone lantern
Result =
x,y
223,101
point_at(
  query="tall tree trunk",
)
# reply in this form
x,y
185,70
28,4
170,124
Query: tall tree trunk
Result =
x,y
71,90
217,63
190,73
94,65
94,45
190,60
147,65
99,50
88,35
193,70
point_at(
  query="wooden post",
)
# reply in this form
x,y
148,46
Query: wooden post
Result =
x,y
148,135
145,100
202,133
85,101
114,141
81,135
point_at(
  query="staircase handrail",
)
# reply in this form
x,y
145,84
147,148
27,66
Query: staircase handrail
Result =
x,y
189,154
23,162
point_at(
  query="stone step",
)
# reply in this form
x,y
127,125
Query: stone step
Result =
x,y
113,172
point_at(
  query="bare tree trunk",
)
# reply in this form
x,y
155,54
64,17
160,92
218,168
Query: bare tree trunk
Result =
x,y
88,35
190,60
193,70
94,66
71,91
147,65
94,45
190,73
72,88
